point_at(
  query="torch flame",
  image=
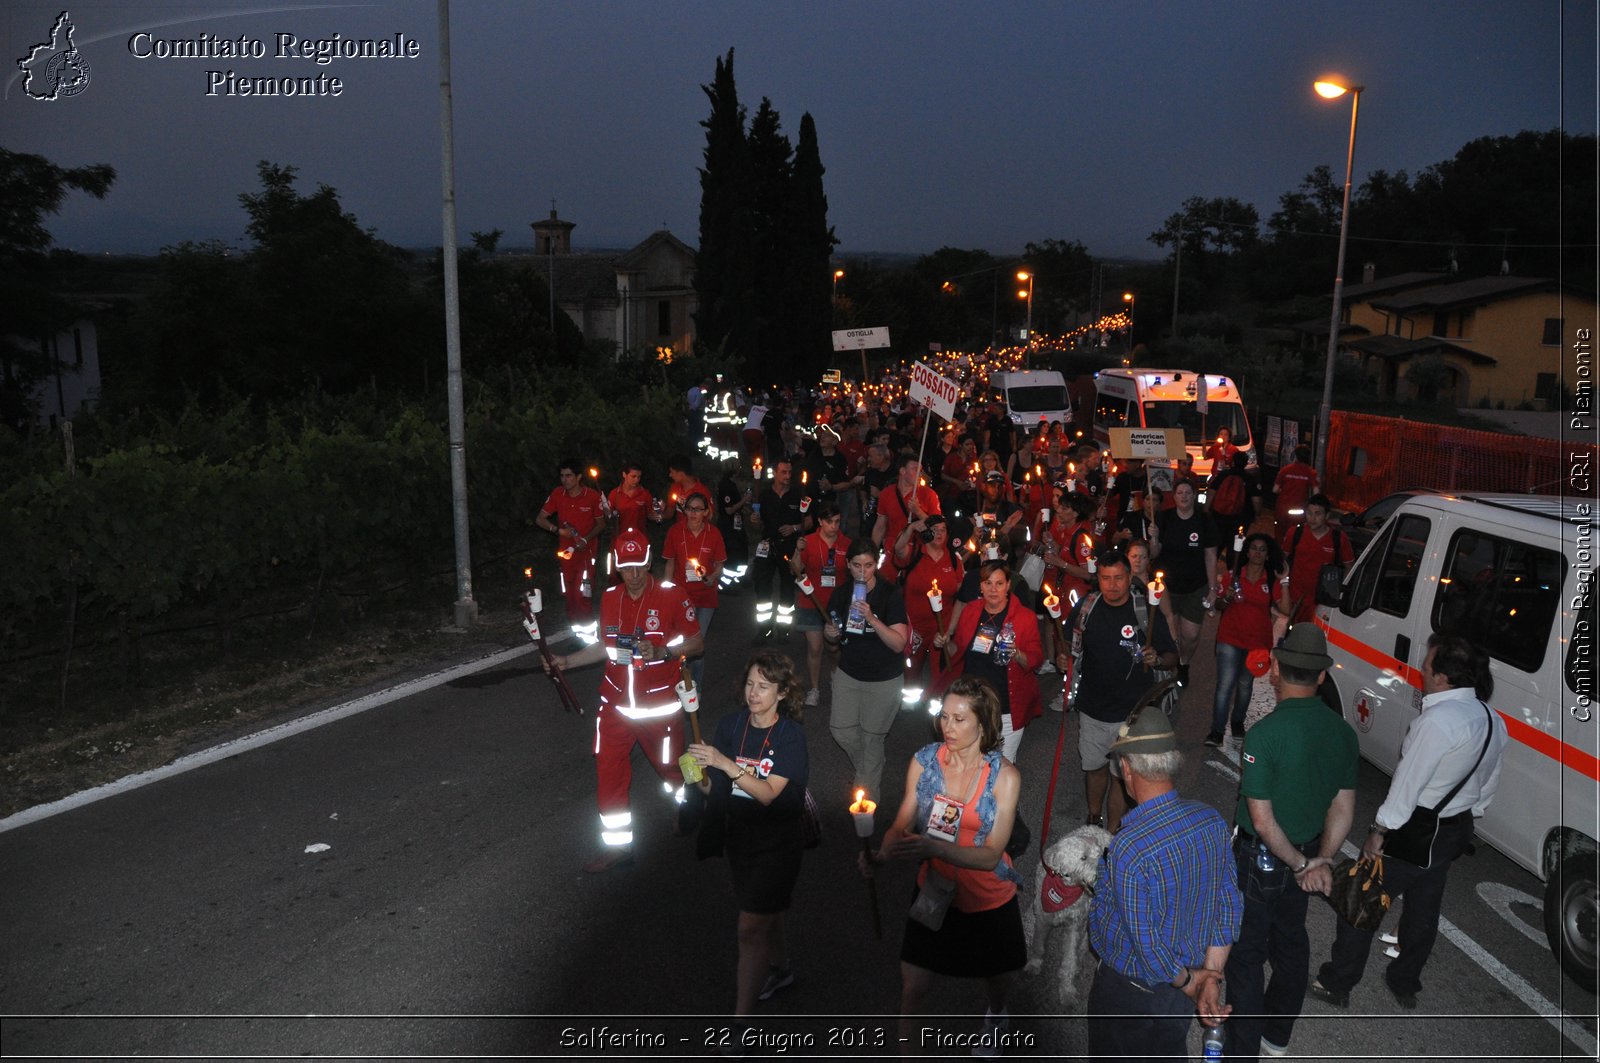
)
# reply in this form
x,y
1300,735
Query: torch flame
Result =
x,y
594,473
933,591
528,572
863,807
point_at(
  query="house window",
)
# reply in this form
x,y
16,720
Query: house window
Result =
x,y
664,318
1552,331
1544,387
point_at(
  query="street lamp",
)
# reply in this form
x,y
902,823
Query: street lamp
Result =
x,y
1027,329
835,303
1331,89
1127,297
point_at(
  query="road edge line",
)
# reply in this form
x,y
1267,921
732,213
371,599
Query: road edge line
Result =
x,y
247,743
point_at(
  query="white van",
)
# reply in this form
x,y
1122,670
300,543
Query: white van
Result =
x,y
1514,574
1031,397
1168,398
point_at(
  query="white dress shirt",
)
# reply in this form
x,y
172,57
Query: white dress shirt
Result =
x,y
1440,747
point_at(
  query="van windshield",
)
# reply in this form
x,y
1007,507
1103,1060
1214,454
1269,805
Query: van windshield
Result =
x,y
1197,429
1037,398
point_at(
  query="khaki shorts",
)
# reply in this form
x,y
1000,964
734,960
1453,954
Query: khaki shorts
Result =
x,y
1094,742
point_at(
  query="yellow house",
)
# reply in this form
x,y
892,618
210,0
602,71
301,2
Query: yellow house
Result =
x,y
1491,338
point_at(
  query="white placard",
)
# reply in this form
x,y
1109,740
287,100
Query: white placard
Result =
x,y
937,393
860,339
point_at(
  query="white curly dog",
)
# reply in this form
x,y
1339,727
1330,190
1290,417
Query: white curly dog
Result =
x,y
1061,937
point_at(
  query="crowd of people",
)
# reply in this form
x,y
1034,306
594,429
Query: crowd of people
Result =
x,y
955,567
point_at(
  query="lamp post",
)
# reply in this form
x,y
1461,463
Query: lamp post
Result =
x,y
1127,297
1027,329
1331,89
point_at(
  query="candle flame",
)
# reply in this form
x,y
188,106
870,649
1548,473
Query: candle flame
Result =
x,y
528,572
863,807
933,591
594,473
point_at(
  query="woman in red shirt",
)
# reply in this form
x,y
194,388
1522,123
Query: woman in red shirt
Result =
x,y
935,561
1246,598
997,638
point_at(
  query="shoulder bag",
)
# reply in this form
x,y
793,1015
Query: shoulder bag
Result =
x,y
1413,842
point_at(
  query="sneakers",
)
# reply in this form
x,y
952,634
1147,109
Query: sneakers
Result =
x,y
1214,739
1270,1049
990,1045
778,978
813,697
1339,998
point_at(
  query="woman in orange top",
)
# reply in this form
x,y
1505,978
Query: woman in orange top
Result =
x,y
981,932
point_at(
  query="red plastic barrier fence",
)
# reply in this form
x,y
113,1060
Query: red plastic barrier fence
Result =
x,y
1369,457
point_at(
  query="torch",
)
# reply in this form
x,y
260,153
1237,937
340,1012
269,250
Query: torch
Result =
x,y
803,581
689,698
532,605
861,813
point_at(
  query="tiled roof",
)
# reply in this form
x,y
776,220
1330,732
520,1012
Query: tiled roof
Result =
x,y
1395,348
1461,293
1384,285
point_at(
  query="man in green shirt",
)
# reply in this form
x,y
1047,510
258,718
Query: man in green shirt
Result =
x,y
1297,796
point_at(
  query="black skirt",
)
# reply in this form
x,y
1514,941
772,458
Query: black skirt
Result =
x,y
765,861
969,944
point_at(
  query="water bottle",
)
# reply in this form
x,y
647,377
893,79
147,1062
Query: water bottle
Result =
x,y
857,624
1211,1045
1005,645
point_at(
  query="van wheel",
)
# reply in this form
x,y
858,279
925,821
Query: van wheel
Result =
x,y
1571,909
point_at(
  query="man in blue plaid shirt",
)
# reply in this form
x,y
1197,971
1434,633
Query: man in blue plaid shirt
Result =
x,y
1166,907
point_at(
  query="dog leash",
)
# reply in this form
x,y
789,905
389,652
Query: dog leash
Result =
x,y
1050,795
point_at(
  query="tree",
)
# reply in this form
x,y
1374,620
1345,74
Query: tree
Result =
x,y
31,309
1063,275
810,283
724,318
770,234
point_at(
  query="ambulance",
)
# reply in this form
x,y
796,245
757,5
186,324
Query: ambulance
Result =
x,y
1514,573
1170,398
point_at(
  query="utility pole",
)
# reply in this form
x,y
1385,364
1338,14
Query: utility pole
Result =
x,y
466,610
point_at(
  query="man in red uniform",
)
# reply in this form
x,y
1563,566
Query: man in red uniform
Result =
x,y
1308,547
1296,482
630,502
646,627
899,504
695,553
574,514
684,484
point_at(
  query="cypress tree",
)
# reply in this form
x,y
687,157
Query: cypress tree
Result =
x,y
723,290
771,241
809,260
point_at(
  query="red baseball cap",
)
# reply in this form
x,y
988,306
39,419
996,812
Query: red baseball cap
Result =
x,y
630,548
1259,662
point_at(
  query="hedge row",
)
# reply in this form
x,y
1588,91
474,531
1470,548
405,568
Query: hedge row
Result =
x,y
209,512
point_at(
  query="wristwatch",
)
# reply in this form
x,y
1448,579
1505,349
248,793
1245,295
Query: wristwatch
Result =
x,y
1303,865
1378,828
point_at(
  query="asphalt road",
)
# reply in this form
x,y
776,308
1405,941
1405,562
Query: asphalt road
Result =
x,y
448,915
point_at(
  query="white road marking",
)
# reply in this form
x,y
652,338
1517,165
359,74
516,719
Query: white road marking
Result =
x,y
1513,982
1223,769
259,739
1501,897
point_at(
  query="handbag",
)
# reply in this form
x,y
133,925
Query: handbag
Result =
x,y
933,899
1413,841
1358,894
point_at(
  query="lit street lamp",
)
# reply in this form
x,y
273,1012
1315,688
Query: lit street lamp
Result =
x,y
1027,330
1332,89
835,304
1127,297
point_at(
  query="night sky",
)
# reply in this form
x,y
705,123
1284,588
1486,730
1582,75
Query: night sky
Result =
x,y
962,124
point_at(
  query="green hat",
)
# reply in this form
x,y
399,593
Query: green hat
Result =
x,y
1304,647
1148,729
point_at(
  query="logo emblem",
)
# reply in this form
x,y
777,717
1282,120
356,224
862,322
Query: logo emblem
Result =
x,y
1248,759
1194,537
54,69
1364,715
1127,631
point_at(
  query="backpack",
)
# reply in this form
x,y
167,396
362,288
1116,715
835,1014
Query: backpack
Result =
x,y
1330,577
1231,495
